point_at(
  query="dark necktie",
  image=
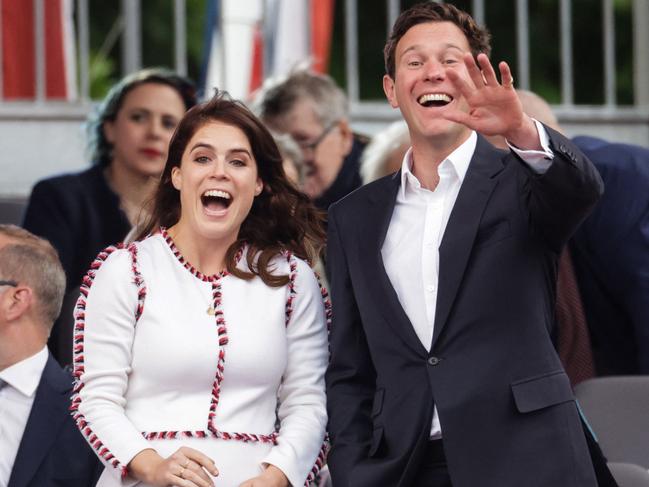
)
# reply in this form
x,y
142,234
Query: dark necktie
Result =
x,y
573,339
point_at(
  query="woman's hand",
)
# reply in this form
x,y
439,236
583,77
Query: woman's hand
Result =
x,y
184,468
271,477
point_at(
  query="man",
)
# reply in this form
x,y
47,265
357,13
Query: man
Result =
x,y
442,367
610,251
313,110
40,445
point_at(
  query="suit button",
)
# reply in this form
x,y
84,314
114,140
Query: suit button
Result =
x,y
433,361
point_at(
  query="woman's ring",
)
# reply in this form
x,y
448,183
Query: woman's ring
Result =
x,y
182,470
186,464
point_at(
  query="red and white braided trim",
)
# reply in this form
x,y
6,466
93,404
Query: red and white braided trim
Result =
x,y
78,340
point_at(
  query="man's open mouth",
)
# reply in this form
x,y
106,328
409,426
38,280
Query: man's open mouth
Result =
x,y
434,99
216,199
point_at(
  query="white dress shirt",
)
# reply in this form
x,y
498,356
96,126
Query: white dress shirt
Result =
x,y
18,385
411,249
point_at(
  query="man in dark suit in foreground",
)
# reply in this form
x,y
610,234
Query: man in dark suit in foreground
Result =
x,y
443,371
40,445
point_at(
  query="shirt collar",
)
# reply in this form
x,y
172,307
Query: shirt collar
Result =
x,y
459,160
25,375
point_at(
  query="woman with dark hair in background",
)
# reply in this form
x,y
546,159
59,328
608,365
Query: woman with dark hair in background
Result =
x,y
82,213
200,348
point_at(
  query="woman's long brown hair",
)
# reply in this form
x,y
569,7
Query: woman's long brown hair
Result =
x,y
281,218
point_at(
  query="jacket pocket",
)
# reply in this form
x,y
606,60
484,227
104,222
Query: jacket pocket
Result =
x,y
540,392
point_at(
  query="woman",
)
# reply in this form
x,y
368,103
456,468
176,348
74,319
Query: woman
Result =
x,y
201,349
82,213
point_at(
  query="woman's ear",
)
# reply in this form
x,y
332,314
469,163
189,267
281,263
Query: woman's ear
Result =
x,y
176,177
109,131
259,187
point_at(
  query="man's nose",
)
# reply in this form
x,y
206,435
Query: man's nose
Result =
x,y
434,70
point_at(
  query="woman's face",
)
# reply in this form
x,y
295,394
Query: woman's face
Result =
x,y
143,127
218,181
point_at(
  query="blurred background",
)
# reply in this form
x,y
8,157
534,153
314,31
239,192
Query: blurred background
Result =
x,y
588,58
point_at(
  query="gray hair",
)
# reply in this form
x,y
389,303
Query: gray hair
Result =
x,y
278,96
32,260
381,147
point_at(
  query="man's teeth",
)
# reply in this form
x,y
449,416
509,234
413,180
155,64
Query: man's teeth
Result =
x,y
434,97
217,194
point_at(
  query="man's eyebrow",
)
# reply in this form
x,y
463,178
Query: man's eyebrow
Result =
x,y
446,46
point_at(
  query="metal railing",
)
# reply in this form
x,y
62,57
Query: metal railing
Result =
x,y
566,108
130,27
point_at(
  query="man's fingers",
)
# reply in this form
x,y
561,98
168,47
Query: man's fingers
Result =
x,y
201,459
461,84
487,70
506,75
474,72
458,116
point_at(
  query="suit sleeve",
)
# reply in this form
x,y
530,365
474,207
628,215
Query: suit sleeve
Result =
x,y
558,200
302,411
350,377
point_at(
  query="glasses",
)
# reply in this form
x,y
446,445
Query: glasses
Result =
x,y
9,283
305,146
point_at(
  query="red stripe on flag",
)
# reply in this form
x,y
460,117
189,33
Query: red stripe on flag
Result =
x,y
322,20
18,69
55,65
18,43
257,71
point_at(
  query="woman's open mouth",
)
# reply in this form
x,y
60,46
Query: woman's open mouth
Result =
x,y
216,201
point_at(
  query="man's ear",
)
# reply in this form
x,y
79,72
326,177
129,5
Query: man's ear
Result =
x,y
347,136
388,89
16,302
176,177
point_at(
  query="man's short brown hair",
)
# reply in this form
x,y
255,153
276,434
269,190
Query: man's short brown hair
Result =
x,y
478,37
33,261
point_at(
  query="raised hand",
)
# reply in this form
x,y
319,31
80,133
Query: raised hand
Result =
x,y
184,468
271,477
493,108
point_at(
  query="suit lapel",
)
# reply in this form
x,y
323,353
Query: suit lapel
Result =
x,y
48,413
372,236
462,227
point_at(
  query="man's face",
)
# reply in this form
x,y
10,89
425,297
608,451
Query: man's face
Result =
x,y
421,88
323,147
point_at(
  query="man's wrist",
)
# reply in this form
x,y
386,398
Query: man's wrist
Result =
x,y
525,137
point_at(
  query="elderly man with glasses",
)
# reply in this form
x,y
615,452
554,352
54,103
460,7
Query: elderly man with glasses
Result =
x,y
40,446
312,109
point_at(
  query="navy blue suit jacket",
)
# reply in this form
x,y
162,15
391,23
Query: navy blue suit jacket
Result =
x,y
80,215
52,452
505,404
611,257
